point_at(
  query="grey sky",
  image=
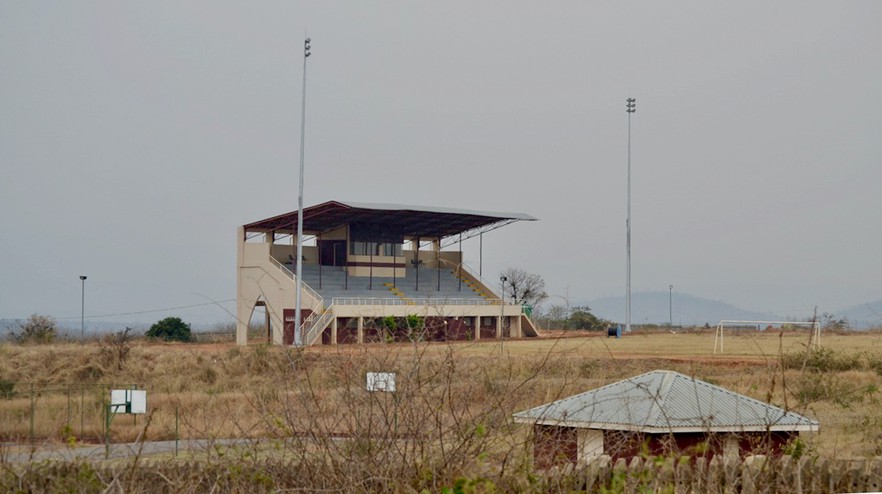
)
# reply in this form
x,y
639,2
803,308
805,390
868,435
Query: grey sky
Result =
x,y
136,136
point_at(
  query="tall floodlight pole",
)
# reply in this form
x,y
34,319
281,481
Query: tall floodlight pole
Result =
x,y
631,108
83,311
298,341
671,306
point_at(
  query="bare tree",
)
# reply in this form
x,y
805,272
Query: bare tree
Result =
x,y
37,329
521,287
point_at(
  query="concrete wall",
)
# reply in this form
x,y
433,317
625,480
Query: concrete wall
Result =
x,y
258,279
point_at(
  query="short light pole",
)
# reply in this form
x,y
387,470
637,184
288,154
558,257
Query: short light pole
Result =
x,y
671,306
83,311
631,108
502,280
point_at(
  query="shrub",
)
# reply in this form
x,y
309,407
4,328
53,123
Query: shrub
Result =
x,y
36,330
821,360
115,348
582,318
7,389
170,329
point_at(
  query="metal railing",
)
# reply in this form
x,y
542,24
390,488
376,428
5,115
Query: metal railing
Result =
x,y
318,298
318,325
467,270
413,301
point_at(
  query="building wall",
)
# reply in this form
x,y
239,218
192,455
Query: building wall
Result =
x,y
558,446
554,445
286,254
620,444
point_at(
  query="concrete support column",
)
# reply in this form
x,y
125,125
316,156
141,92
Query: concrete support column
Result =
x,y
334,331
498,327
243,311
267,324
360,329
436,250
477,327
518,328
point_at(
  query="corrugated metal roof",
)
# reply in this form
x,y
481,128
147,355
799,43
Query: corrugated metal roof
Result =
x,y
432,209
666,401
410,221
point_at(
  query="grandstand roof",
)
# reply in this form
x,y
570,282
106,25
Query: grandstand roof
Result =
x,y
410,221
663,402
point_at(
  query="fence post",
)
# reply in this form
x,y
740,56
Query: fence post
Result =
x,y
107,408
33,410
69,431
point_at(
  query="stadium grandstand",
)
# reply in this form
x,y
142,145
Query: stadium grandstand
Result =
x,y
372,272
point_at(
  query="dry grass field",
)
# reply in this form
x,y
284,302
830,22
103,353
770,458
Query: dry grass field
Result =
x,y
452,413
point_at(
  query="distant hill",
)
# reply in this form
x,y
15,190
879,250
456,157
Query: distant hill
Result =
x,y
688,310
863,316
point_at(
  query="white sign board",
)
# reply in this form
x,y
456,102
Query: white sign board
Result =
x,y
381,381
128,401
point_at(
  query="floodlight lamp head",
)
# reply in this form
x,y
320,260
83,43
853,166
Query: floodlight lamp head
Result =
x,y
503,279
82,278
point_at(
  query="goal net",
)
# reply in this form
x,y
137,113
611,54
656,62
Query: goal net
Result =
x,y
762,325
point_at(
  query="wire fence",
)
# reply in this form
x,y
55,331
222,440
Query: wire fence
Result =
x,y
33,413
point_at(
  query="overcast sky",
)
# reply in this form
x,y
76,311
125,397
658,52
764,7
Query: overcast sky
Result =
x,y
136,136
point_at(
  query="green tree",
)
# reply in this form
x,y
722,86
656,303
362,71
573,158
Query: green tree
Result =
x,y
170,329
582,318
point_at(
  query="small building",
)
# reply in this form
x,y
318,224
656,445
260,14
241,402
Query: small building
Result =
x,y
659,413
368,271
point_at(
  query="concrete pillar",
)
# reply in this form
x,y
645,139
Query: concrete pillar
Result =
x,y
498,327
243,312
334,331
267,323
436,248
360,330
477,327
520,331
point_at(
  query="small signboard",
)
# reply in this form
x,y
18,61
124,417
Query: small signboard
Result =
x,y
128,401
381,381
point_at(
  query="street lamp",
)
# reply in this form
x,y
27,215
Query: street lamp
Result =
x,y
83,311
631,108
502,280
298,338
671,306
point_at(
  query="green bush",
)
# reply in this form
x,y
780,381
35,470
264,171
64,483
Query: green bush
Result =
x,y
822,360
582,318
170,329
7,389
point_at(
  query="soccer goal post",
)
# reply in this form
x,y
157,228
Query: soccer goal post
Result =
x,y
815,326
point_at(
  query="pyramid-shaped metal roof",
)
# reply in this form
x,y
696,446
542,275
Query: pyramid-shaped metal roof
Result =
x,y
666,401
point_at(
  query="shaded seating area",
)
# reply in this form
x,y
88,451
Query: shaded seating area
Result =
x,y
365,261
